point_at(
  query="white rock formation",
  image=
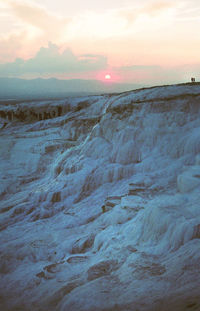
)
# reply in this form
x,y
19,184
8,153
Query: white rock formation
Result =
x,y
138,155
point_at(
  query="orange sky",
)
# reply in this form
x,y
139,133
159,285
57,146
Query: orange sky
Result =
x,y
135,40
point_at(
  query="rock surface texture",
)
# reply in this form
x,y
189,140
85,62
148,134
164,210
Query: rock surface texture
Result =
x,y
100,202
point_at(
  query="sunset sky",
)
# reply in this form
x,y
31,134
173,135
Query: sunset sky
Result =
x,y
134,41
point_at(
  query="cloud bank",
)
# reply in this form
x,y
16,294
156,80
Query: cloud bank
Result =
x,y
50,61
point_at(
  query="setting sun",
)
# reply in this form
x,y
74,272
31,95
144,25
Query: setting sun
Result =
x,y
107,77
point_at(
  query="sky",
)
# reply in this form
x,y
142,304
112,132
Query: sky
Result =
x,y
129,41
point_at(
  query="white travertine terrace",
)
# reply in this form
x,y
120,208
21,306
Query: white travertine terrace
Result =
x,y
135,153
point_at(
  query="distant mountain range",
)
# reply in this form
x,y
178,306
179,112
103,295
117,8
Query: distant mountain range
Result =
x,y
15,88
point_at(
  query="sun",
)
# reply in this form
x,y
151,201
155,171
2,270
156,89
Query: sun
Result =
x,y
107,77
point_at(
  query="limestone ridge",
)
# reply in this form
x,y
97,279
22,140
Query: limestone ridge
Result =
x,y
100,202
